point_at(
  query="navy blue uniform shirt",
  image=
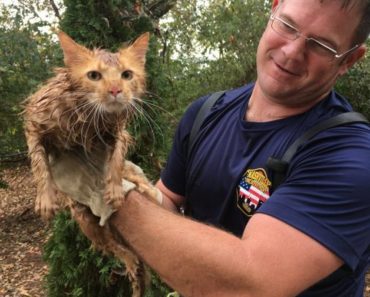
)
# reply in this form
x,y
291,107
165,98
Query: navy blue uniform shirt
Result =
x,y
326,193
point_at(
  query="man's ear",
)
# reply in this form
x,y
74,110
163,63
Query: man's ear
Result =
x,y
352,58
275,3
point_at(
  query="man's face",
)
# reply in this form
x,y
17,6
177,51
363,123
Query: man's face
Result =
x,y
288,72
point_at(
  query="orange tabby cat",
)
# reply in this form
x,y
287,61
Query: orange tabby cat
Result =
x,y
86,103
79,116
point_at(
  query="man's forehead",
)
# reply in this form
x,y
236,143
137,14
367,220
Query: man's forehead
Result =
x,y
343,4
326,19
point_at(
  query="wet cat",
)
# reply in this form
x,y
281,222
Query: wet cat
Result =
x,y
75,126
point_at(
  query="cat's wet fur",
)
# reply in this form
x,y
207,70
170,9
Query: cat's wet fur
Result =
x,y
85,107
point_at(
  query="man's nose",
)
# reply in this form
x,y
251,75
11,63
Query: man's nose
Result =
x,y
295,49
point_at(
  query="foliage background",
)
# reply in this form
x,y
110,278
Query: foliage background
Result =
x,y
197,48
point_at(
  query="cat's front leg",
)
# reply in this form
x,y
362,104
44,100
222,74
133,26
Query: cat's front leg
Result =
x,y
135,174
46,198
113,187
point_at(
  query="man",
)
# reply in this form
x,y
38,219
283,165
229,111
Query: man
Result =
x,y
310,236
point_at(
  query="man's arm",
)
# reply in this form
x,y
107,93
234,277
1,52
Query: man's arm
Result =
x,y
271,259
171,200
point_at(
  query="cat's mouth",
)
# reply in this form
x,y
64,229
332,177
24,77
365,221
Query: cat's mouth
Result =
x,y
116,104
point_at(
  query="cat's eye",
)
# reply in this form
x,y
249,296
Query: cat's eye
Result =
x,y
128,74
94,75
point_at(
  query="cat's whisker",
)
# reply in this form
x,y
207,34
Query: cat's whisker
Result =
x,y
95,119
77,111
90,119
69,123
78,125
88,136
148,119
99,118
152,94
100,121
154,107
104,119
149,100
80,112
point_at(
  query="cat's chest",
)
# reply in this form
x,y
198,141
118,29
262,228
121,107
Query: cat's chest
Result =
x,y
74,129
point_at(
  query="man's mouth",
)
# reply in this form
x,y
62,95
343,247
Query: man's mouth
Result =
x,y
290,72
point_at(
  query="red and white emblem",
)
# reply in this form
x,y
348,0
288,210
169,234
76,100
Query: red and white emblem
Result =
x,y
253,190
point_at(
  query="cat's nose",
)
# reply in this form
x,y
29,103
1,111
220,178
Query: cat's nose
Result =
x,y
115,91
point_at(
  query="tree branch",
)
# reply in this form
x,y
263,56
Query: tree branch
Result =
x,y
13,158
55,8
158,8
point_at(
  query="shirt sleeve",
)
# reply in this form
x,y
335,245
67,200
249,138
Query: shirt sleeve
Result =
x,y
326,192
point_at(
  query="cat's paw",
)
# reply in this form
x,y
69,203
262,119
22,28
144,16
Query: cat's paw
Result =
x,y
46,204
114,195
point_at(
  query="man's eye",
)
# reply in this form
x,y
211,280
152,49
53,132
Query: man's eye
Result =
x,y
319,48
287,28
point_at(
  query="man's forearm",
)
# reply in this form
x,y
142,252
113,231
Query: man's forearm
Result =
x,y
271,259
169,205
184,253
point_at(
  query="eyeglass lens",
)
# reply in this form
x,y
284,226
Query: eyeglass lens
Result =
x,y
288,31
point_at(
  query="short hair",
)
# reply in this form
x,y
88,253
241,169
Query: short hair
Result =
x,y
363,28
363,7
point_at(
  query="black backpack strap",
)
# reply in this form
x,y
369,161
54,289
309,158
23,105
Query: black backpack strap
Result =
x,y
279,167
201,115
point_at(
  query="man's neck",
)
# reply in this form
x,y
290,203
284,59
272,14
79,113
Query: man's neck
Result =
x,y
264,109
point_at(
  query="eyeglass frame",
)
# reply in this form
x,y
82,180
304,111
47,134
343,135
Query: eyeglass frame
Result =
x,y
298,34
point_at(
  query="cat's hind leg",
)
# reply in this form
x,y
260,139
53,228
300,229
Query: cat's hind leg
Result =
x,y
108,240
135,269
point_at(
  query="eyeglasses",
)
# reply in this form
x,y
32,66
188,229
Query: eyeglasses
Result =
x,y
288,31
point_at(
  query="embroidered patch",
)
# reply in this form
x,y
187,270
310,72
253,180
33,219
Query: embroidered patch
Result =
x,y
253,190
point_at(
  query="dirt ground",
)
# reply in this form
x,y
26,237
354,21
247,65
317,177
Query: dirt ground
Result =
x,y
22,235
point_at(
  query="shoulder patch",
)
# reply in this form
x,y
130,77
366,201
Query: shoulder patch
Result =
x,y
253,190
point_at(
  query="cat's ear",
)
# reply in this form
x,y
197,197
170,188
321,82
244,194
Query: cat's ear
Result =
x,y
73,52
140,47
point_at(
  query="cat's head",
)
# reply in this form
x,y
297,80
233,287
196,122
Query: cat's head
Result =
x,y
111,80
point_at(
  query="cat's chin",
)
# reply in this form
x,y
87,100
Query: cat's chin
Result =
x,y
114,107
116,104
